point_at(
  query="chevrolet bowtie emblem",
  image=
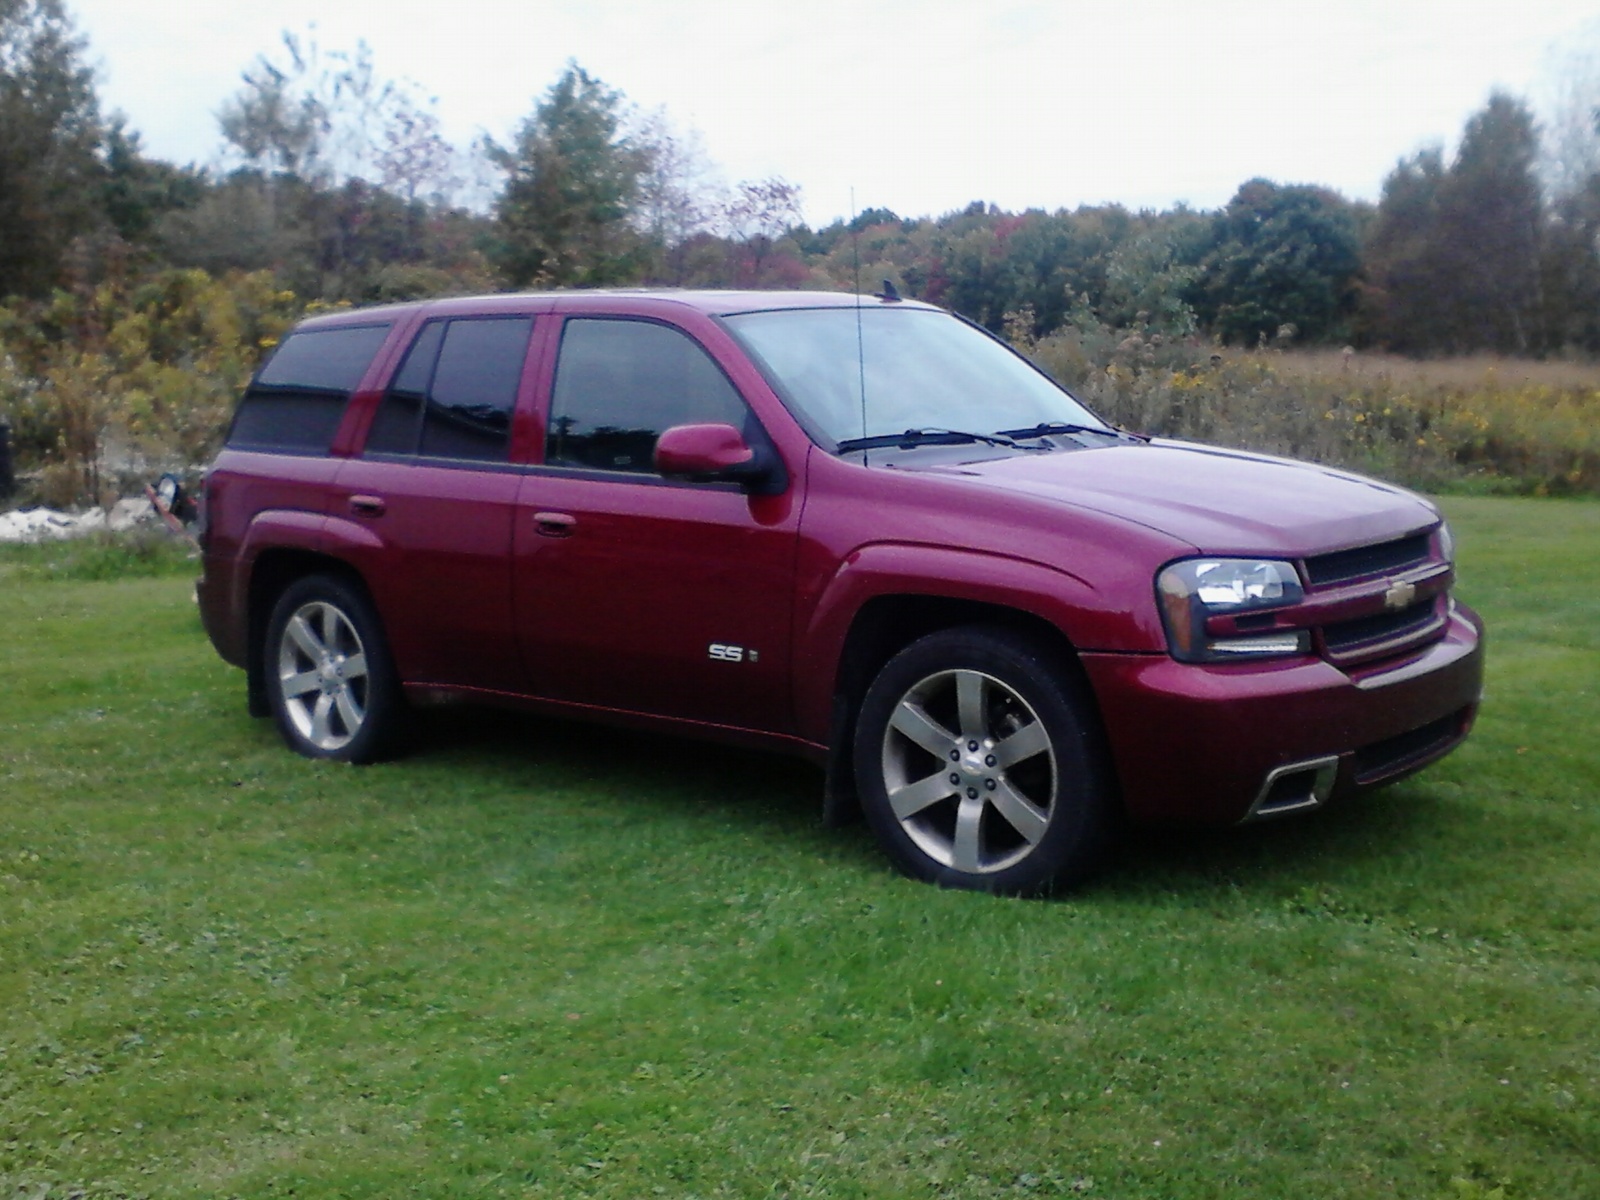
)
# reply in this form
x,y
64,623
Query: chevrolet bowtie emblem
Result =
x,y
1400,594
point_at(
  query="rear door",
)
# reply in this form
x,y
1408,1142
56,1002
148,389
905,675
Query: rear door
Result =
x,y
638,593
435,485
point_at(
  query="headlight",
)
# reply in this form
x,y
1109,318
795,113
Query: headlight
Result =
x,y
1447,543
1191,591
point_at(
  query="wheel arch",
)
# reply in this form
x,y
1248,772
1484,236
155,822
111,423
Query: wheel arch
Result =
x,y
1032,824
886,624
273,571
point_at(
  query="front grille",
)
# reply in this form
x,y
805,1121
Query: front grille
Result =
x,y
1362,580
1380,559
1392,756
1386,627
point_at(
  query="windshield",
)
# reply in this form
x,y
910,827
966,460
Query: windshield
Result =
x,y
922,369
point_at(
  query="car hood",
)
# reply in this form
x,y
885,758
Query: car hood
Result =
x,y
1219,501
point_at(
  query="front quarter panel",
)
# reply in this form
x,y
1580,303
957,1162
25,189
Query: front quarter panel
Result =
x,y
947,538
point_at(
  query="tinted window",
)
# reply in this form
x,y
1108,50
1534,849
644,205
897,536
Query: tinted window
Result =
x,y
454,395
333,359
620,384
298,397
475,388
398,422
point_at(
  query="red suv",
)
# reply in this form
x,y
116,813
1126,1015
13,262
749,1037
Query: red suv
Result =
x,y
860,530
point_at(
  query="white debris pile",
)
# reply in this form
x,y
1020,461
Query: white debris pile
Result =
x,y
45,524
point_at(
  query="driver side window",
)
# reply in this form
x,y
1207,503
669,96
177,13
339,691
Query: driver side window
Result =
x,y
621,383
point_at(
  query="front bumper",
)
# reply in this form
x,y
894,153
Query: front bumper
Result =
x,y
1214,745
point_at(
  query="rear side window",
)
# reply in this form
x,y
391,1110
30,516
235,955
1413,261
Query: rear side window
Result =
x,y
297,399
455,393
620,384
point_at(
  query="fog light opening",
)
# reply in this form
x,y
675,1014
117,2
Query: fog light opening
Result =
x,y
1295,787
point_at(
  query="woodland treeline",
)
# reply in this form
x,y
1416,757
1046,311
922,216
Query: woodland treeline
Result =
x,y
137,294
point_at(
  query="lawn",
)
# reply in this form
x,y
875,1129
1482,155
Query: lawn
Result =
x,y
536,959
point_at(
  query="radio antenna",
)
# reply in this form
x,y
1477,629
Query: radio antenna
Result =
x,y
861,354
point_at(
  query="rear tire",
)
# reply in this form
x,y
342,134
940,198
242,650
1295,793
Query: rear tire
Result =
x,y
329,679
978,764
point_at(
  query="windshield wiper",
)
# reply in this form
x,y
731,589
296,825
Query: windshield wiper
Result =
x,y
912,438
1048,428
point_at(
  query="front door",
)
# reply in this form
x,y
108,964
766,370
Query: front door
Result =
x,y
638,593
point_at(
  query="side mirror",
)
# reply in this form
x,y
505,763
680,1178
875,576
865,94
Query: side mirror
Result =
x,y
716,452
170,488
170,497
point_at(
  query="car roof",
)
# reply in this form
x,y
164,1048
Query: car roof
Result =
x,y
711,303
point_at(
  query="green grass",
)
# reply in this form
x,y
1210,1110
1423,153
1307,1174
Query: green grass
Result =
x,y
535,959
139,553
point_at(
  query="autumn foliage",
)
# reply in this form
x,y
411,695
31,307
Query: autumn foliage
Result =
x,y
137,295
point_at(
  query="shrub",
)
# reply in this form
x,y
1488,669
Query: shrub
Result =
x,y
133,377
1482,426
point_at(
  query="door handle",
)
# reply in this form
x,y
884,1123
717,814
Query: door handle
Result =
x,y
554,524
367,506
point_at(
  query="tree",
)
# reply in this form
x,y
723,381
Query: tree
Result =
x,y
1570,171
1570,146
1149,274
679,199
327,117
1490,217
1281,256
245,221
1403,256
136,192
757,214
1570,276
572,184
1454,253
49,133
411,156
342,174
277,122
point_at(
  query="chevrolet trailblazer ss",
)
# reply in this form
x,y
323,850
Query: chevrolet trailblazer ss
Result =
x,y
859,530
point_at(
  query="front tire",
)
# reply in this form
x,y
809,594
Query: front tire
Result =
x,y
330,682
978,765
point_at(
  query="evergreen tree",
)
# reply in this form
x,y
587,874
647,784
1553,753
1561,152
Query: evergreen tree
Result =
x,y
564,217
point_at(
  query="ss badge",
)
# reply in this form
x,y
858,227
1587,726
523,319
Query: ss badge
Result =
x,y
722,653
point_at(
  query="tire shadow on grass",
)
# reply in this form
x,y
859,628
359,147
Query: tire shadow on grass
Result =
x,y
662,770
658,776
1351,838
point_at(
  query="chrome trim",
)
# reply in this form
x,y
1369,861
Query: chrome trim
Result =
x,y
1358,652
1326,769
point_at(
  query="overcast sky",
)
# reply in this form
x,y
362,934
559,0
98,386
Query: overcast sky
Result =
x,y
917,105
